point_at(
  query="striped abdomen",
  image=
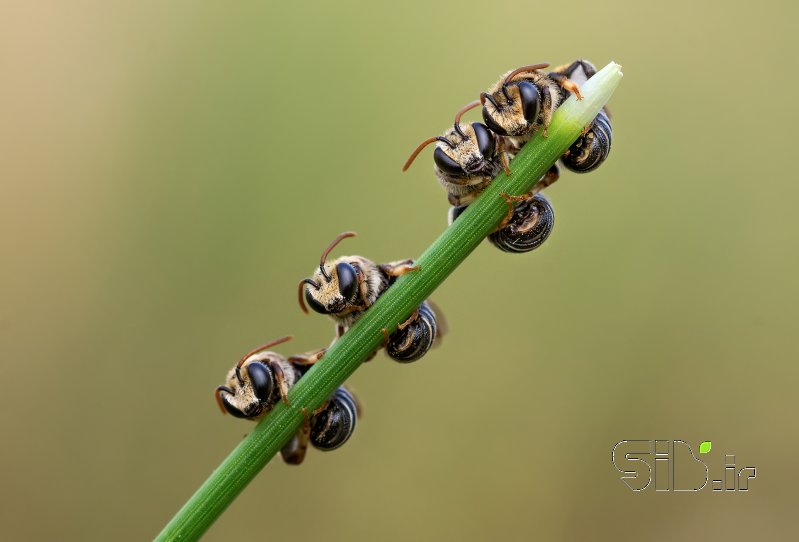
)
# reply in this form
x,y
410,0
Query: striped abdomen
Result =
x,y
334,425
531,224
591,149
413,342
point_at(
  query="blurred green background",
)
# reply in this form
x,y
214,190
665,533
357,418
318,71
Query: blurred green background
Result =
x,y
171,170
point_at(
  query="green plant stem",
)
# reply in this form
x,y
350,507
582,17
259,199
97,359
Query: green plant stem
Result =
x,y
392,308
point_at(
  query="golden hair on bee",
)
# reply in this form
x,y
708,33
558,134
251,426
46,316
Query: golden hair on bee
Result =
x,y
331,279
239,389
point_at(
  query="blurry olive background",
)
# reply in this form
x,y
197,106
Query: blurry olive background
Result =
x,y
171,170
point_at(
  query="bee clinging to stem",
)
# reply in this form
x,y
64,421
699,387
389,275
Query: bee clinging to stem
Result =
x,y
524,99
466,158
262,378
349,285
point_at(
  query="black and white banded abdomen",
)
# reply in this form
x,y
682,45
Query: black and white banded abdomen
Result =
x,y
591,149
531,224
334,425
413,342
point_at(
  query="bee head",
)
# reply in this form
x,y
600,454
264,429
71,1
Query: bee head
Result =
x,y
464,150
333,287
514,108
251,387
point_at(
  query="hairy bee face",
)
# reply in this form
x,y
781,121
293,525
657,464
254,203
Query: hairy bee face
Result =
x,y
467,151
250,389
333,288
512,110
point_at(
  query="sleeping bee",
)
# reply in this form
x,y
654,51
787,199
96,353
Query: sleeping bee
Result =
x,y
523,101
349,285
530,225
466,162
262,378
467,158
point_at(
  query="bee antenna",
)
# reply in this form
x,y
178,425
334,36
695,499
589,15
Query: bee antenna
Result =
x,y
313,283
464,109
458,129
524,69
218,394
330,247
328,278
261,348
485,96
449,143
416,152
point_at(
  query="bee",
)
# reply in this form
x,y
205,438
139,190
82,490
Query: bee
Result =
x,y
453,171
467,158
529,226
262,378
349,285
524,99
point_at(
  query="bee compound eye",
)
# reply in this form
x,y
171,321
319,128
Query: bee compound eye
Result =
x,y
233,411
447,164
485,140
492,124
347,280
531,104
261,379
313,303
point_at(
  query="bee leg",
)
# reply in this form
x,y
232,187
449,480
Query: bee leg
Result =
x,y
363,284
398,268
315,412
511,201
567,84
281,380
411,319
569,69
456,200
548,179
548,109
503,156
309,358
293,453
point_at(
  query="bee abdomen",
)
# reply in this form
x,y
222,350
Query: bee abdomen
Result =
x,y
415,340
531,224
334,425
590,150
